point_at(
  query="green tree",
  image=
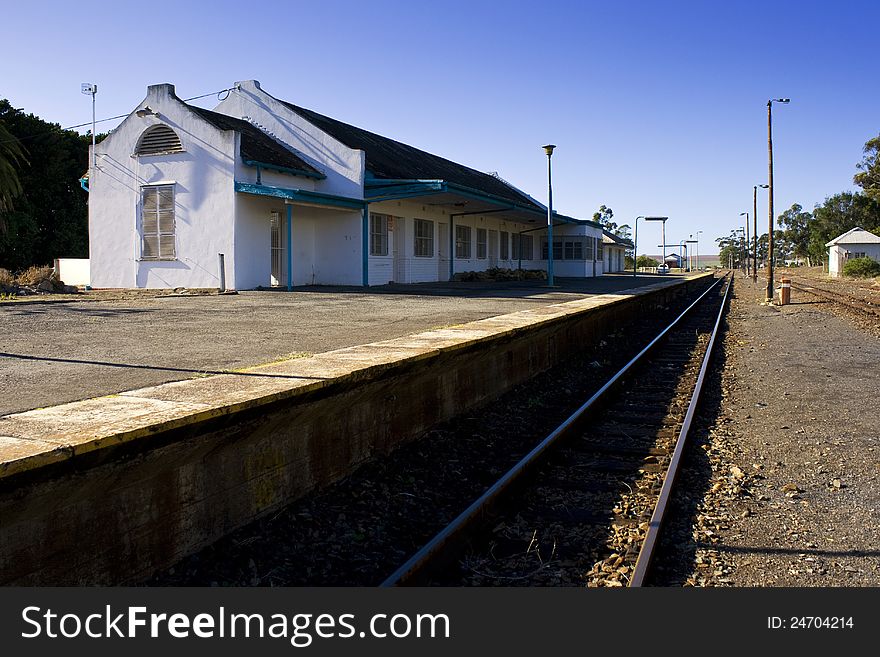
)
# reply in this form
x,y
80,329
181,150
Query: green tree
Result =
x,y
603,215
796,223
11,159
838,214
730,249
645,261
868,177
50,217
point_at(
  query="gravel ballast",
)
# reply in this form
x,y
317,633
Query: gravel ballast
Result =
x,y
790,458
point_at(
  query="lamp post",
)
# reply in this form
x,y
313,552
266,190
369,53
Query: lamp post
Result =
x,y
746,254
755,231
636,238
690,267
698,250
90,88
770,186
549,150
636,245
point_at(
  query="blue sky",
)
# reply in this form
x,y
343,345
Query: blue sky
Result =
x,y
655,107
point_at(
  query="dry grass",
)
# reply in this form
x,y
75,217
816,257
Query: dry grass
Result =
x,y
6,278
35,275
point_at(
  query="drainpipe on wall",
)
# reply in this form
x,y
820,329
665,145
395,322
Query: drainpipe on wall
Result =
x,y
222,260
289,247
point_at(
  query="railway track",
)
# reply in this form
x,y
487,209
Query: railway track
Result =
x,y
585,506
850,302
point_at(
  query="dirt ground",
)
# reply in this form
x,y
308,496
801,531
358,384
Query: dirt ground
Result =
x,y
792,458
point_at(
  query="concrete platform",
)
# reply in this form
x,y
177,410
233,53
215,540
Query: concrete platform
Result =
x,y
53,353
108,489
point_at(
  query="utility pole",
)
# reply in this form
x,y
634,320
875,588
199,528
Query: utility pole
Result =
x,y
770,186
549,150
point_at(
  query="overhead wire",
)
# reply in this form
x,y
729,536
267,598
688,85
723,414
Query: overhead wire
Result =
x,y
113,118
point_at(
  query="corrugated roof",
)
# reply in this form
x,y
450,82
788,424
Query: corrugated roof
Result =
x,y
390,159
256,145
855,236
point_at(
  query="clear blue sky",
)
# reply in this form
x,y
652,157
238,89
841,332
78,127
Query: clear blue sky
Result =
x,y
656,107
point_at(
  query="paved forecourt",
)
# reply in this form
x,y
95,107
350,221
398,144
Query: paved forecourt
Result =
x,y
53,353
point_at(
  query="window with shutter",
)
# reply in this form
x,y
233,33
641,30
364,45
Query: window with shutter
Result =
x,y
157,222
158,140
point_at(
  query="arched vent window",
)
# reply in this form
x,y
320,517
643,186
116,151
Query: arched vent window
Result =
x,y
158,140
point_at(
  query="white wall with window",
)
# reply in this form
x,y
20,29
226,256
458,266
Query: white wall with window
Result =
x,y
142,236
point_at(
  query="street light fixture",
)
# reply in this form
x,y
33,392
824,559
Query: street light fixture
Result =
x,y
755,231
699,267
636,239
742,246
549,150
746,254
690,260
770,185
90,88
682,254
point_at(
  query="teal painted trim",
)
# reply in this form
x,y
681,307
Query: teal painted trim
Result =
x,y
84,183
383,182
492,198
289,247
280,169
383,189
301,195
365,247
388,192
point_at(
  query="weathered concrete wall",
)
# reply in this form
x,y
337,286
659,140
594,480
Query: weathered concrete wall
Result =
x,y
117,511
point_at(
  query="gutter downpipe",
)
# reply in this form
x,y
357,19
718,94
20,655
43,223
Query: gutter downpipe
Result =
x,y
365,246
289,247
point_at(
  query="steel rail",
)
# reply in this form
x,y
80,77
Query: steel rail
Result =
x,y
836,297
409,571
646,553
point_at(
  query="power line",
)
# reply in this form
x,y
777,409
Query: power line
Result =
x,y
112,118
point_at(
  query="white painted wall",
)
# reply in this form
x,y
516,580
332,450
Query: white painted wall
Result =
x,y
840,253
204,200
421,269
343,166
73,271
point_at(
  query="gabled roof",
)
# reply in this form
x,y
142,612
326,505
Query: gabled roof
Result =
x,y
258,148
855,236
393,160
610,238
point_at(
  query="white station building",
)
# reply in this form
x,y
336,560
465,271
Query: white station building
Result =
x,y
854,243
291,197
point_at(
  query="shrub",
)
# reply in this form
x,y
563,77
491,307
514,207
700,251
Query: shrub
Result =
x,y
35,275
6,278
501,274
861,268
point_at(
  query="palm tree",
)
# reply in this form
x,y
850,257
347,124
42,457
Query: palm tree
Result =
x,y
11,158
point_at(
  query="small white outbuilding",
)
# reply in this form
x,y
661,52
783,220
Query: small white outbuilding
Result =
x,y
854,243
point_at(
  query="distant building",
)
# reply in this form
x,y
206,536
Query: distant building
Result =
x,y
855,243
293,197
